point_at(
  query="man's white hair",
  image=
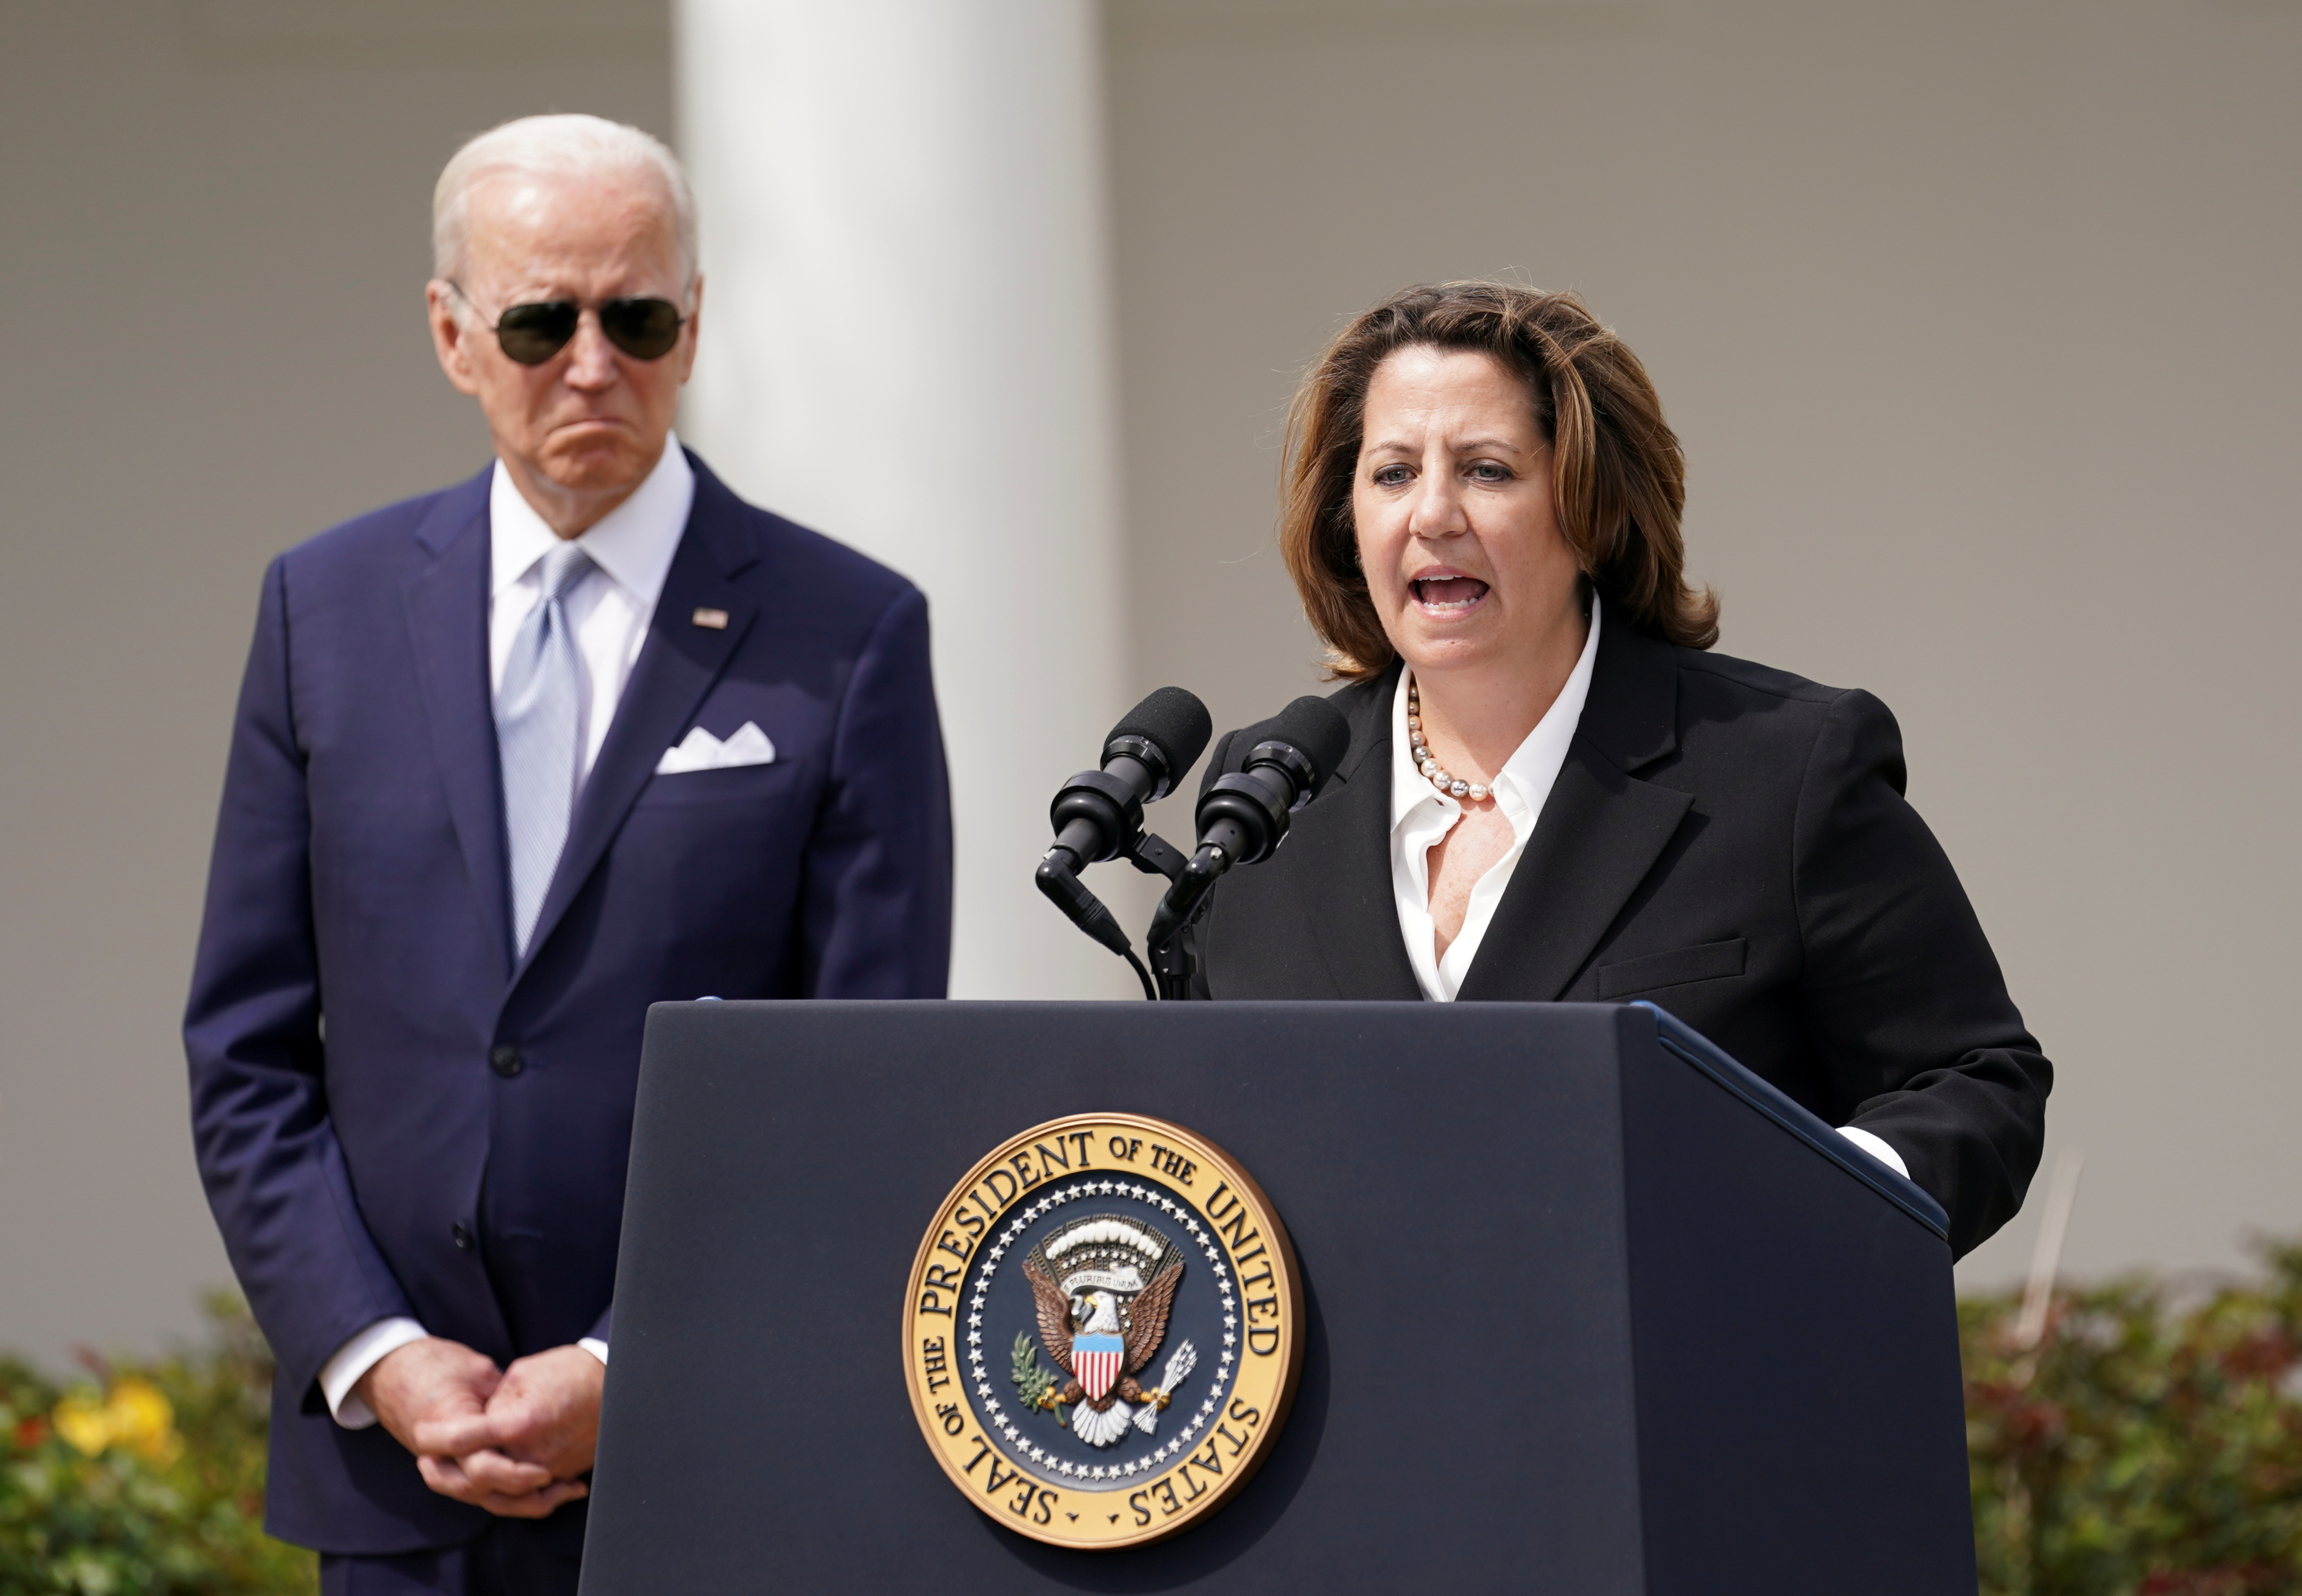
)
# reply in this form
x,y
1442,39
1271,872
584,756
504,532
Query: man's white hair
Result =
x,y
560,145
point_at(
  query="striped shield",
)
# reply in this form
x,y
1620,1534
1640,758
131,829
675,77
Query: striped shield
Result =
x,y
1095,1360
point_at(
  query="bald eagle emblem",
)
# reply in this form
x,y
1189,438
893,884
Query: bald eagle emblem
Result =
x,y
1103,1286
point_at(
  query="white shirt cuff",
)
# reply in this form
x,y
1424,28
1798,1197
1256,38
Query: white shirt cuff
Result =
x,y
595,1346
354,1358
1877,1147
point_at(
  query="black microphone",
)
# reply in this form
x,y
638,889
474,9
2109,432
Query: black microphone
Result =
x,y
1098,813
1243,816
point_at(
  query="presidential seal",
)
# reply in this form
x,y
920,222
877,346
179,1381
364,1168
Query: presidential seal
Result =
x,y
1104,1331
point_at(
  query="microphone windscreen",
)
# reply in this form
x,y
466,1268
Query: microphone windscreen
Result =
x,y
1317,730
1172,720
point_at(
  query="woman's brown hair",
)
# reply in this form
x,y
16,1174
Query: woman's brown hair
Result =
x,y
1618,479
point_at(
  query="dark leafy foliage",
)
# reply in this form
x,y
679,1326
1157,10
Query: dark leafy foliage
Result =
x,y
2149,1445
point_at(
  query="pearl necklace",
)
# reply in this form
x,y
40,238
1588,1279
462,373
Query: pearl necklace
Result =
x,y
1453,787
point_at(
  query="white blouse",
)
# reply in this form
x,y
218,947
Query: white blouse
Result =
x,y
1421,814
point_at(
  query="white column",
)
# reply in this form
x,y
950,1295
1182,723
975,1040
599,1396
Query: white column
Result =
x,y
907,343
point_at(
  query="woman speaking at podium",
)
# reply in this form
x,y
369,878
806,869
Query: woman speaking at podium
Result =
x,y
1553,791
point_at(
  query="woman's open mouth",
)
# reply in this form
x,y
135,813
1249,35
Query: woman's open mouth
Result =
x,y
1447,595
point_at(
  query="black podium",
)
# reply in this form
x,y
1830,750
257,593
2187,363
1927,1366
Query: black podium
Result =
x,y
1590,1309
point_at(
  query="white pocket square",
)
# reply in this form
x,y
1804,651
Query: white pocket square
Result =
x,y
747,745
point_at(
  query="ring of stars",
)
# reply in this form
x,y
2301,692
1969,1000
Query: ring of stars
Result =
x,y
999,1419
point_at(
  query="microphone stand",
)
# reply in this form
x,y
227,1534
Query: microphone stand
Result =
x,y
1174,959
1175,952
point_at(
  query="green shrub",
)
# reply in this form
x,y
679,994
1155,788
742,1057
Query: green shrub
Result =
x,y
147,1481
2149,1445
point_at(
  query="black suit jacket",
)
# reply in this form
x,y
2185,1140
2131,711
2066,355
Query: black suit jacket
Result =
x,y
1730,843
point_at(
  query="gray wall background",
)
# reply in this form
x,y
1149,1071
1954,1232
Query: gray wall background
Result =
x,y
1977,321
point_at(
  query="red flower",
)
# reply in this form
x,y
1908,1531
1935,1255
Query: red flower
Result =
x,y
2262,1357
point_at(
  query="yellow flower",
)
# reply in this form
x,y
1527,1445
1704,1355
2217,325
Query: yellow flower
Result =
x,y
85,1422
135,1415
143,1422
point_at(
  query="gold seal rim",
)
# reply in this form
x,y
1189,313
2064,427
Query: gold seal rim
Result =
x,y
1245,1465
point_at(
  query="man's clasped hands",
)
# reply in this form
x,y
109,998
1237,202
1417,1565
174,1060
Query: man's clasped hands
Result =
x,y
514,1440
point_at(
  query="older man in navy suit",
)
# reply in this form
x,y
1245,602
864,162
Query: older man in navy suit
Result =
x,y
512,761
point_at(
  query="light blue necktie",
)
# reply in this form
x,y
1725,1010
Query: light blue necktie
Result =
x,y
537,714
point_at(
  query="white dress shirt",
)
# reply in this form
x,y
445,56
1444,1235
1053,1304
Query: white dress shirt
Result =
x,y
1421,814
608,611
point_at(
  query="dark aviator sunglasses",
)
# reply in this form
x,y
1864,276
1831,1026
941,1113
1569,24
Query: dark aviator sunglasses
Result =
x,y
532,334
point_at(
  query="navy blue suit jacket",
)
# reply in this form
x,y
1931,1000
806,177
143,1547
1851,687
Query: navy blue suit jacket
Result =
x,y
394,1116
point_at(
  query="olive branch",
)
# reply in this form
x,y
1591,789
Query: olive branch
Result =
x,y
1036,1384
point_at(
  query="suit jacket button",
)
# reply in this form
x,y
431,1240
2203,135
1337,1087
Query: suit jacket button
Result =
x,y
461,1234
505,1061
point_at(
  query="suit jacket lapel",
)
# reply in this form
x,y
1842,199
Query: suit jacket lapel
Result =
x,y
676,667
447,609
1344,864
1600,831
